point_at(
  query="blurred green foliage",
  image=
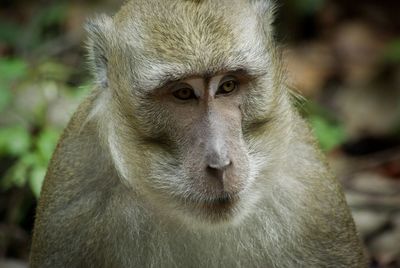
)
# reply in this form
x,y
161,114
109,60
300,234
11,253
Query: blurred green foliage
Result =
x,y
392,51
329,132
32,154
11,70
27,91
28,140
306,7
36,31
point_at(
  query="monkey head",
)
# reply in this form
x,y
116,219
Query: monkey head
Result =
x,y
191,106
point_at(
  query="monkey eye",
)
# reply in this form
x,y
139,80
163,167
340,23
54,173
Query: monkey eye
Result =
x,y
185,93
227,87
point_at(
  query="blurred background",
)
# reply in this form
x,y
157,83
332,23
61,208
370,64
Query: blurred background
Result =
x,y
343,56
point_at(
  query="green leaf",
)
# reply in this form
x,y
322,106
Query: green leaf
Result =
x,y
12,69
23,171
328,134
36,180
46,143
14,140
17,175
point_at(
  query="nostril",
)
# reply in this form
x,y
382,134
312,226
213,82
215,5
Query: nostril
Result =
x,y
216,172
221,165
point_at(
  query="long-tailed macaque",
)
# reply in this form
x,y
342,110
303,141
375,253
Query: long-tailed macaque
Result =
x,y
188,152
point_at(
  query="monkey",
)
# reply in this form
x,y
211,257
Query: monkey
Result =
x,y
189,151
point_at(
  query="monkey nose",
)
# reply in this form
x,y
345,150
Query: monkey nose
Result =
x,y
217,169
219,163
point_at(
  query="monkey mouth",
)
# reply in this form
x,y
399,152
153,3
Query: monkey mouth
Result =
x,y
212,209
222,200
219,204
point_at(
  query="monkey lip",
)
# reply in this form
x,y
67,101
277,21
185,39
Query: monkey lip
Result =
x,y
216,204
222,200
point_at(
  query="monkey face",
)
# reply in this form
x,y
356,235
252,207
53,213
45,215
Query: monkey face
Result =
x,y
189,139
194,156
190,102
208,140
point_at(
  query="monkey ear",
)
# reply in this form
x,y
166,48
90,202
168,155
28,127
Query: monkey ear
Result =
x,y
99,32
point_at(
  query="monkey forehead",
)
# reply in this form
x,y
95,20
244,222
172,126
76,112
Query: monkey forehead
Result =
x,y
199,37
